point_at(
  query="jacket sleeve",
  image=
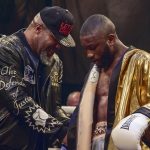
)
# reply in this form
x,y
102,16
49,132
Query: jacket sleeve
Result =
x,y
14,94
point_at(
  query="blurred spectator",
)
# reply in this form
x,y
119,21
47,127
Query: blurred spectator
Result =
x,y
72,101
73,98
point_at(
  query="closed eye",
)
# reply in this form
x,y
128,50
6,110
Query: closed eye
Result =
x,y
91,47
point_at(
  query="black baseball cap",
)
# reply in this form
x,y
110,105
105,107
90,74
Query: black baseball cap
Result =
x,y
60,22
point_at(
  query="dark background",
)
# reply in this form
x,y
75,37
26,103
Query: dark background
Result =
x,y
131,17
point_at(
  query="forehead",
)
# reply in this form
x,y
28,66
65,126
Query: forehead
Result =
x,y
92,38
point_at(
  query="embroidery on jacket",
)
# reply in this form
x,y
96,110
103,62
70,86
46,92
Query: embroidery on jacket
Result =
x,y
29,75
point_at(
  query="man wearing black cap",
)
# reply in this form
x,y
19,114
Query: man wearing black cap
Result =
x,y
30,78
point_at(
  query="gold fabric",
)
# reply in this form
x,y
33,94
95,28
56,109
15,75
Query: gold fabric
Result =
x,y
133,89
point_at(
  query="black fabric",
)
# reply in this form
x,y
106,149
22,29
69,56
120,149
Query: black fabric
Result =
x,y
111,102
72,131
143,110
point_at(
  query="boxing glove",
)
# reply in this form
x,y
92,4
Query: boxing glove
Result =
x,y
128,132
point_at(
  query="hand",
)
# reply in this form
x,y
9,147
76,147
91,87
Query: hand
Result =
x,y
63,147
127,134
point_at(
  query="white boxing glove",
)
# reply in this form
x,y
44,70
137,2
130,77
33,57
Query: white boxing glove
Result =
x,y
127,134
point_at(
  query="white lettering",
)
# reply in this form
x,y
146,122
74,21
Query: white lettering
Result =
x,y
7,71
10,83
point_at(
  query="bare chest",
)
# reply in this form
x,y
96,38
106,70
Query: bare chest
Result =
x,y
103,85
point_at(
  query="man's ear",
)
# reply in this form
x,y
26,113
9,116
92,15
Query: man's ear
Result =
x,y
111,39
38,28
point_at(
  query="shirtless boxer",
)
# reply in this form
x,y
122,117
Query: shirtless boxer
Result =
x,y
121,88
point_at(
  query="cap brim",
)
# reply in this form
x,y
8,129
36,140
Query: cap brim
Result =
x,y
67,41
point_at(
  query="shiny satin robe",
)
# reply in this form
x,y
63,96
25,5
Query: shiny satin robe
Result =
x,y
133,89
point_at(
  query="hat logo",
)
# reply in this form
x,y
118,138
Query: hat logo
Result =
x,y
65,28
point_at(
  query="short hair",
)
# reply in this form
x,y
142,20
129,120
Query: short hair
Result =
x,y
37,20
96,23
73,98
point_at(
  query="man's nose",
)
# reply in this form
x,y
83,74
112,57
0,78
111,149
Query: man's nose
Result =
x,y
58,46
89,54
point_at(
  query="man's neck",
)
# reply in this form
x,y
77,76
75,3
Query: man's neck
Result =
x,y
121,49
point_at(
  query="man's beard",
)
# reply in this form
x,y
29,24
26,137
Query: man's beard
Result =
x,y
45,59
107,59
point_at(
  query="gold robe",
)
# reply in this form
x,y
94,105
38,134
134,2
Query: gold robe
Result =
x,y
133,89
